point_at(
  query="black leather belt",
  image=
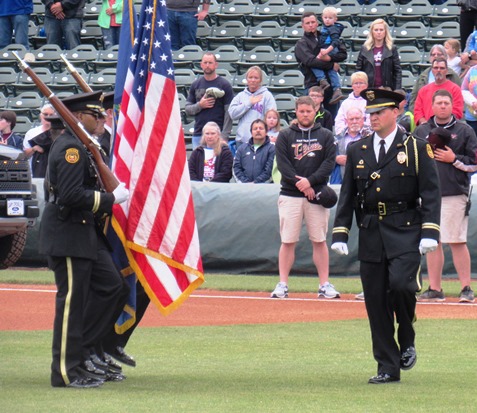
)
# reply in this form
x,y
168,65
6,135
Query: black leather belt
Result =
x,y
388,208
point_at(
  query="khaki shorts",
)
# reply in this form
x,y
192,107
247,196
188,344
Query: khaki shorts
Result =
x,y
453,222
292,210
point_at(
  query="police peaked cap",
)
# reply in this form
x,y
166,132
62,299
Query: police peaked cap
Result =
x,y
325,196
439,138
56,122
108,100
379,99
84,101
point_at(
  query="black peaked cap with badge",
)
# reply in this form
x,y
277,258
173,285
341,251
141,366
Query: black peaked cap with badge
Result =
x,y
108,100
324,196
439,137
379,99
84,101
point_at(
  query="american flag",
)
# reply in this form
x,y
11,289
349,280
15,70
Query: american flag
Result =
x,y
157,224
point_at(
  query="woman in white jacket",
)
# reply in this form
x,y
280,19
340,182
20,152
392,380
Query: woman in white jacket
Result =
x,y
250,104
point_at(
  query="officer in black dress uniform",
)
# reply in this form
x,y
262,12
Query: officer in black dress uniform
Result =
x,y
71,237
392,186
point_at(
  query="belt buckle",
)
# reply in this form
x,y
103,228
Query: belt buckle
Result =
x,y
381,208
374,176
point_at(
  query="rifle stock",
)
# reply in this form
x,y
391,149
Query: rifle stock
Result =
x,y
76,76
106,177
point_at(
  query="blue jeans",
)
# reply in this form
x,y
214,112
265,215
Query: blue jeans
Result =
x,y
332,75
111,36
183,28
17,23
66,32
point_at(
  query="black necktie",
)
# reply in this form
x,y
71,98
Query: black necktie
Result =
x,y
382,152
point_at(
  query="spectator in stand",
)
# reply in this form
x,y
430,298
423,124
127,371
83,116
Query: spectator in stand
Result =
x,y
422,109
323,116
212,161
459,146
354,131
8,120
14,17
63,20
379,58
467,19
454,60
307,50
272,119
46,111
110,19
359,82
469,92
405,118
250,104
209,99
183,16
254,160
427,76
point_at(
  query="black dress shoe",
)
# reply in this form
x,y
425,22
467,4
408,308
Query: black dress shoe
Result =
x,y
85,383
88,369
383,378
113,367
408,358
119,354
115,377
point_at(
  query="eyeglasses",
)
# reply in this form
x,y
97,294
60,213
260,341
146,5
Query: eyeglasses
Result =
x,y
47,114
439,68
316,96
94,115
437,54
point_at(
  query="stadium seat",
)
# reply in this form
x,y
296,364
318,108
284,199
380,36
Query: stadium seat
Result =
x,y
348,10
26,104
25,83
262,56
229,33
91,10
415,10
23,124
91,34
204,30
297,10
6,56
410,57
271,10
188,57
38,14
3,100
82,56
439,34
381,9
289,81
359,37
214,8
227,56
182,101
240,82
410,33
408,80
103,80
286,106
236,10
47,55
8,77
349,66
265,33
446,12
290,36
284,61
184,78
106,58
65,82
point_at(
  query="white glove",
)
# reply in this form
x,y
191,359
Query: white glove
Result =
x,y
427,245
121,194
341,248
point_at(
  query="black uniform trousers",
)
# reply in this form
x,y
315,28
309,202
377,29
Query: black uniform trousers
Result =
x,y
88,292
390,288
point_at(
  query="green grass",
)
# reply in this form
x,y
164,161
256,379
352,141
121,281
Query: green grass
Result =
x,y
301,367
228,282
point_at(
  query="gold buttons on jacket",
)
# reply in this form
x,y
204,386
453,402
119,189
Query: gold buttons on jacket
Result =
x,y
378,189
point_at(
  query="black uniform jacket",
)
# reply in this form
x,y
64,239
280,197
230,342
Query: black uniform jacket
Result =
x,y
68,227
406,184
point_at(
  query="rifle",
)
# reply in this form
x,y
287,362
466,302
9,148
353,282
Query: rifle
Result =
x,y
81,82
107,178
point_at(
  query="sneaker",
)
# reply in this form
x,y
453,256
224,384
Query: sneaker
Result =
x,y
327,290
336,97
466,295
432,295
280,291
359,296
324,84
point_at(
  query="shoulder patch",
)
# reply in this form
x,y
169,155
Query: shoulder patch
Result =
x,y
430,152
72,155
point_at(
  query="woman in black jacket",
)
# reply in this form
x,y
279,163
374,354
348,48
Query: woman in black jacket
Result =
x,y
379,58
211,161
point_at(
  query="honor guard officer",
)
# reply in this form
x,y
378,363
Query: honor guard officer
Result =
x,y
392,186
88,284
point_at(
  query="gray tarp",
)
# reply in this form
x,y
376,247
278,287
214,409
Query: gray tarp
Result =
x,y
239,232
